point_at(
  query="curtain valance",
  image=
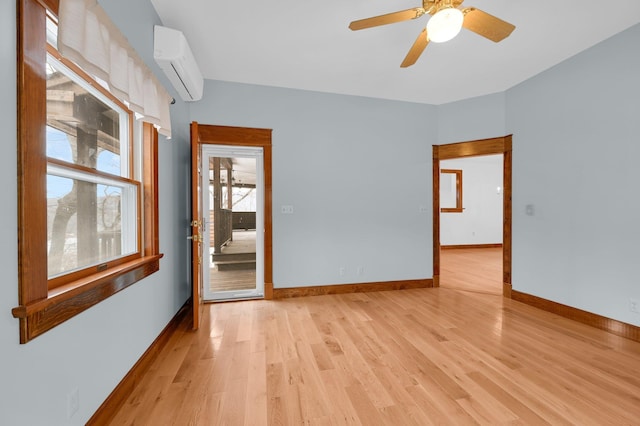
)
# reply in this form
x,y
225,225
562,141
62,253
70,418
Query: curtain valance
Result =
x,y
88,37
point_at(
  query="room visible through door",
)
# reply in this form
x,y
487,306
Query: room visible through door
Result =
x,y
483,147
471,231
232,206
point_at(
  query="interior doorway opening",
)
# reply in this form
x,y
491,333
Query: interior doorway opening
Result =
x,y
471,209
501,146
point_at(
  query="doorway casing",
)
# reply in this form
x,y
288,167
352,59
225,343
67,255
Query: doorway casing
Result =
x,y
499,145
202,134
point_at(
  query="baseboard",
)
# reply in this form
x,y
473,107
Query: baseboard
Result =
x,y
284,293
616,327
507,290
119,395
469,246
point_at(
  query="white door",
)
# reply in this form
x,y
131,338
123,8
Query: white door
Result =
x,y
232,174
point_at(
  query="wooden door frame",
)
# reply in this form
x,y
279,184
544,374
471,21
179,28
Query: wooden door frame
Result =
x,y
196,217
249,137
499,145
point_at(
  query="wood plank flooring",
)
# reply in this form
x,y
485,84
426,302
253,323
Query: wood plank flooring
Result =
x,y
243,242
472,269
232,280
409,357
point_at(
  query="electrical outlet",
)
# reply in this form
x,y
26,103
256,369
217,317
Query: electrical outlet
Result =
x,y
73,402
634,306
286,209
341,271
360,270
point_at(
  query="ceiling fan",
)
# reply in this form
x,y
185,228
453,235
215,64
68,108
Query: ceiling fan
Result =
x,y
445,23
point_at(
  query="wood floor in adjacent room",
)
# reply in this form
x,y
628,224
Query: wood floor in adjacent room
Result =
x,y
472,269
408,357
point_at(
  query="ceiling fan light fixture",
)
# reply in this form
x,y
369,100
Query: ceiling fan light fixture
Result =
x,y
444,25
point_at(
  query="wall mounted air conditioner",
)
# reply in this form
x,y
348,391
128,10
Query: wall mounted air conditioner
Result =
x,y
172,53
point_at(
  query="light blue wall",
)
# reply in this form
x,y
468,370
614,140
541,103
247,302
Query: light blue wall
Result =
x,y
576,144
576,141
94,350
356,171
480,222
336,160
471,119
576,147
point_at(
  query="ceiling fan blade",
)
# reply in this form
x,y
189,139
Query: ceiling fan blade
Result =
x,y
416,50
486,25
389,18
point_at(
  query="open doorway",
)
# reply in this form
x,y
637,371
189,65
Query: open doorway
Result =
x,y
471,204
501,146
203,135
232,206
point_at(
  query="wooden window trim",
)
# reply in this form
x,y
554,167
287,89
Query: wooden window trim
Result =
x,y
40,308
458,208
52,5
65,302
150,220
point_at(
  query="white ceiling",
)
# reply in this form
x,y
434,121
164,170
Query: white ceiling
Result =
x,y
307,45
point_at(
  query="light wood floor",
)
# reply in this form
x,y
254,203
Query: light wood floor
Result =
x,y
475,269
409,357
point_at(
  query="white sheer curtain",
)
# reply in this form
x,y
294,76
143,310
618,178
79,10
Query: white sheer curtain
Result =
x,y
87,37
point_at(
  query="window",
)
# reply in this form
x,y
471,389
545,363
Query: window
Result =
x,y
451,191
87,184
91,197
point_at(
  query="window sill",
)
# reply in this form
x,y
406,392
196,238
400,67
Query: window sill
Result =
x,y
63,303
